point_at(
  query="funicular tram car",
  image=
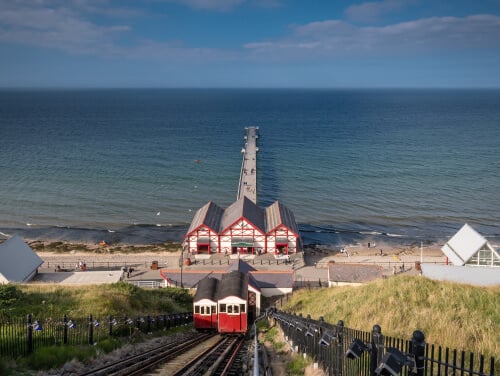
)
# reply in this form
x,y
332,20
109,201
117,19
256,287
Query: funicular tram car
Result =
x,y
232,303
205,304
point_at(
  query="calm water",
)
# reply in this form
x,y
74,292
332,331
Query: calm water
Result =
x,y
414,165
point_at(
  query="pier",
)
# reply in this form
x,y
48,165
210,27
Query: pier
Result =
x,y
248,175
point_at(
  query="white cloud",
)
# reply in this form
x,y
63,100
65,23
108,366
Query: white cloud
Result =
x,y
337,38
373,10
54,27
221,5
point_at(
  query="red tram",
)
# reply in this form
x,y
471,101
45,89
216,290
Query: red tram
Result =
x,y
232,302
222,305
205,304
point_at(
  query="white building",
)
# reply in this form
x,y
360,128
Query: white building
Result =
x,y
473,260
243,228
18,262
468,247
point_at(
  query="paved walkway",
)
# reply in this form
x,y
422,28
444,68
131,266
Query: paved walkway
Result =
x,y
146,267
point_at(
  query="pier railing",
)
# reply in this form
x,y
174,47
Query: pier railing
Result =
x,y
343,351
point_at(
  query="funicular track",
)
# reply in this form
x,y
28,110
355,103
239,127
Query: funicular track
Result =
x,y
217,360
140,364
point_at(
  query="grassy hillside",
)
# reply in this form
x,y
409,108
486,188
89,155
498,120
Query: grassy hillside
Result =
x,y
113,299
450,315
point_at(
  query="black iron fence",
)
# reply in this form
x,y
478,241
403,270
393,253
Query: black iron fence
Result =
x,y
344,351
19,337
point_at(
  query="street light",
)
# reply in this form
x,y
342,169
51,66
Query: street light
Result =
x,y
393,361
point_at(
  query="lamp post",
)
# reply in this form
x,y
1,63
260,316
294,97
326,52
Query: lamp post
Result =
x,y
182,262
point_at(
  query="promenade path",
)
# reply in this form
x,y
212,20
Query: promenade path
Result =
x,y
310,265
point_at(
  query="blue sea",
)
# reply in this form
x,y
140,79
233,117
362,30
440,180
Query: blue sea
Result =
x,y
120,165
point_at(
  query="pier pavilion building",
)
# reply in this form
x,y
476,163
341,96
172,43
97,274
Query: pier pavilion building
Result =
x,y
244,227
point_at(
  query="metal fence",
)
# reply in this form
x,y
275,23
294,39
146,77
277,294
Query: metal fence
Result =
x,y
344,351
19,337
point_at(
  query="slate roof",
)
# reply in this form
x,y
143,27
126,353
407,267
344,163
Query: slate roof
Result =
x,y
246,208
353,273
463,245
207,289
17,260
277,214
233,284
257,279
209,215
273,279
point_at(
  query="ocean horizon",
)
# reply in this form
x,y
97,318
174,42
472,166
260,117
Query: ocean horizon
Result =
x,y
134,165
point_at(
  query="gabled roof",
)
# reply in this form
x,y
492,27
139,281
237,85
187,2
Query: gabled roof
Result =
x,y
190,279
207,289
246,208
233,284
240,266
353,273
17,260
209,215
273,279
463,245
278,214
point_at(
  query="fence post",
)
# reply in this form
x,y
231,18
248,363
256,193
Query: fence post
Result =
x,y
29,336
65,329
377,350
339,348
418,351
91,330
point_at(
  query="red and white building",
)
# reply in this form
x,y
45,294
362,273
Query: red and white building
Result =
x,y
243,227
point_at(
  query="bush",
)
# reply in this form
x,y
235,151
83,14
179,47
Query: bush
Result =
x,y
9,295
298,365
55,356
107,345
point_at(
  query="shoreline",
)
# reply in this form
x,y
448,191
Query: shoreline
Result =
x,y
45,248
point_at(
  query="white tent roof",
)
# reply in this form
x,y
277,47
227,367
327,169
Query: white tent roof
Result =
x,y
463,245
17,260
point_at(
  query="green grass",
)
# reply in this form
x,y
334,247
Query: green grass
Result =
x,y
450,315
114,299
298,364
118,299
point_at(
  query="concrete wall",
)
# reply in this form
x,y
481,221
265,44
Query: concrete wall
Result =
x,y
472,275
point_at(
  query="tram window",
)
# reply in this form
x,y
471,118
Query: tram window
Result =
x,y
214,310
229,309
242,308
222,308
196,309
236,309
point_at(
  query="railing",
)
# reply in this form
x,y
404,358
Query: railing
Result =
x,y
344,351
19,337
146,284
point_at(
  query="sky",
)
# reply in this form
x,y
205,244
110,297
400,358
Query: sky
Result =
x,y
249,44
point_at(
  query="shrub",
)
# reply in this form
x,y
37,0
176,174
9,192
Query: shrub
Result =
x,y
9,295
298,365
55,356
107,345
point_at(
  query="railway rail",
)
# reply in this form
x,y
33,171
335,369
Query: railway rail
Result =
x,y
140,364
217,360
192,354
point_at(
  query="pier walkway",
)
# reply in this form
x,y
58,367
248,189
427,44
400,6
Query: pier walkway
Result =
x,y
248,175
